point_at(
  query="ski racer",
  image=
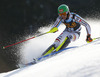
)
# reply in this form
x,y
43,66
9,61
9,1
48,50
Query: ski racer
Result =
x,y
73,23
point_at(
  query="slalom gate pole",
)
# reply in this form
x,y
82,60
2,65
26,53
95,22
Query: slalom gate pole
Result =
x,y
24,40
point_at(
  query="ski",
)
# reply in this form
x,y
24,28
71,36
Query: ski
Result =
x,y
54,53
37,60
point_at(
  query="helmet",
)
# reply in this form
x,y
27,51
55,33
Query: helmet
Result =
x,y
63,8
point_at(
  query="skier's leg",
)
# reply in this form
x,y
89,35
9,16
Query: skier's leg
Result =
x,y
49,50
56,43
62,41
69,37
74,36
64,44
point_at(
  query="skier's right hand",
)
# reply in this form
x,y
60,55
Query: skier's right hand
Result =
x,y
53,30
89,39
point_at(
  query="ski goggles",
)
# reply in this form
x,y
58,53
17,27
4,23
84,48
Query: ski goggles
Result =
x,y
63,14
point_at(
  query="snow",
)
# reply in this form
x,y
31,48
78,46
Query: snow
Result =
x,y
83,61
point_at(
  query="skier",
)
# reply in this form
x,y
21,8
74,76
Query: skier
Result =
x,y
73,23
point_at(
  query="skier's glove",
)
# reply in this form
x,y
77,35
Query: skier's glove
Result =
x,y
89,39
53,30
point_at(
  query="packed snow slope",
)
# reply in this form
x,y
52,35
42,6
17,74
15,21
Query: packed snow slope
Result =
x,y
83,61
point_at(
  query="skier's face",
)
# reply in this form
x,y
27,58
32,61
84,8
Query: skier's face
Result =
x,y
63,15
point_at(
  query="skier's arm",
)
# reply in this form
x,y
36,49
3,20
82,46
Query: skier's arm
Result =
x,y
87,26
54,28
84,23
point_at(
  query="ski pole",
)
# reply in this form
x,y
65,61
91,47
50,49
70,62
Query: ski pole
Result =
x,y
94,39
97,38
25,40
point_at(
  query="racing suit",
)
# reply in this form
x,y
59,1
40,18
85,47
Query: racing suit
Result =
x,y
73,27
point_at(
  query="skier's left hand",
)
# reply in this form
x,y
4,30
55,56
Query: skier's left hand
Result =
x,y
89,39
